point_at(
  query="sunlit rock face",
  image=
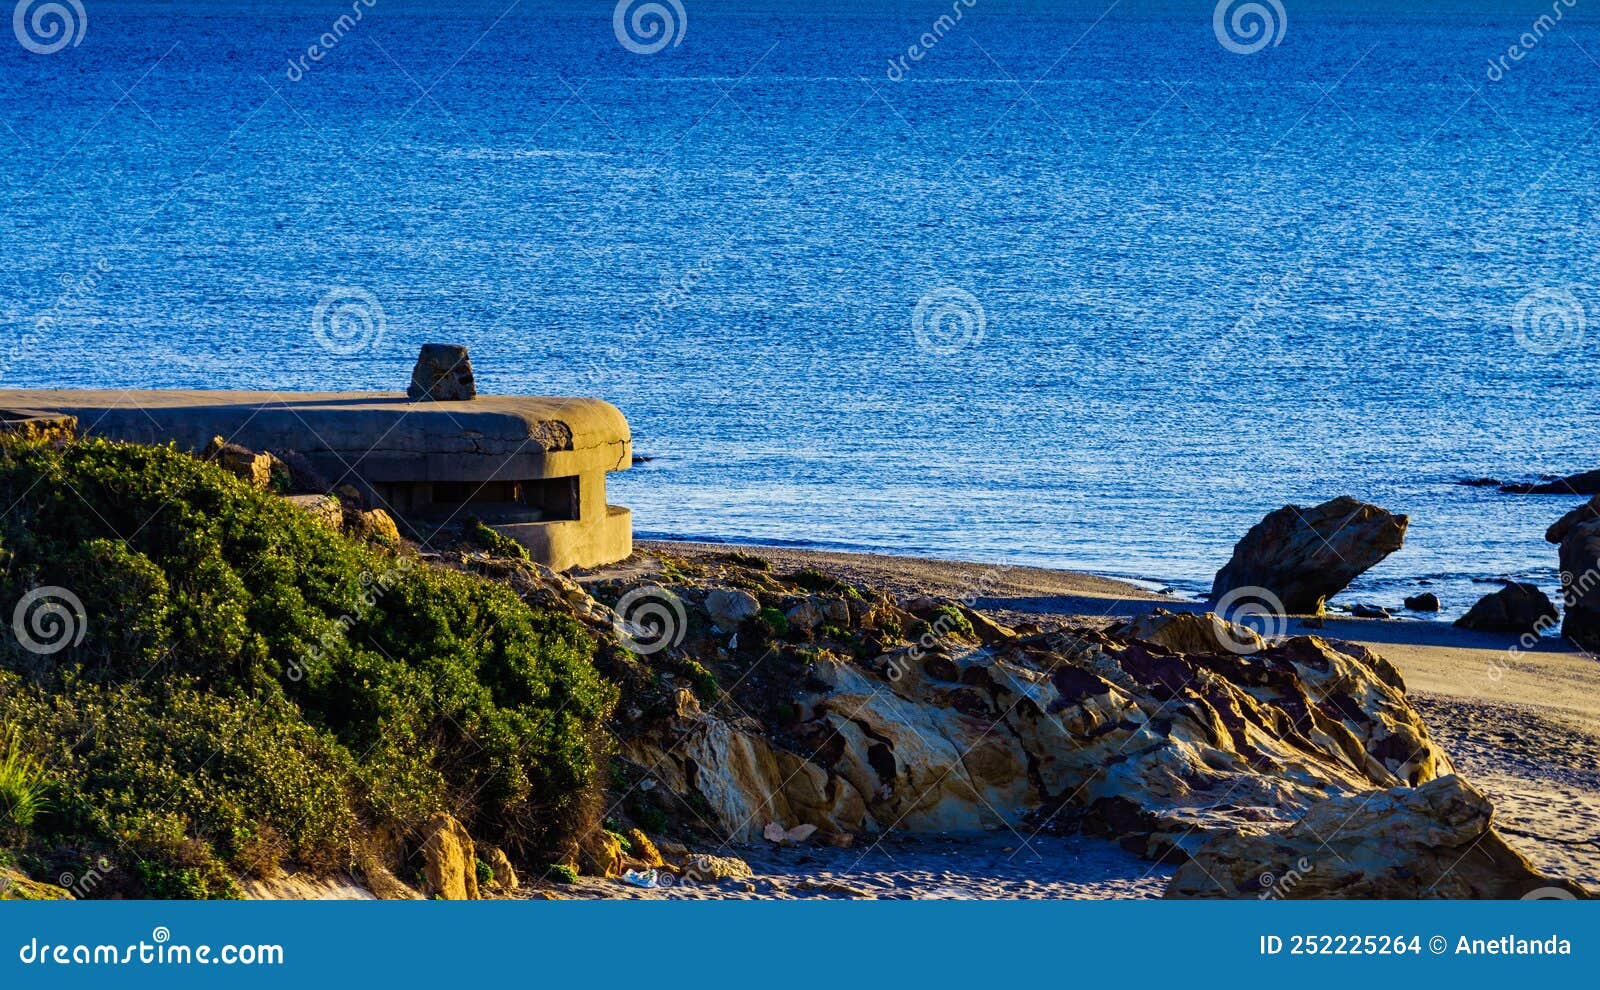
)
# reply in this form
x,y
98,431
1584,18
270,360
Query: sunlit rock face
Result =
x,y
1154,747
1304,556
1433,841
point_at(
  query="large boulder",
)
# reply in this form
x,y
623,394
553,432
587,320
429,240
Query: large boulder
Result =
x,y
1304,556
1517,608
1435,841
1586,512
449,859
443,374
729,607
1580,584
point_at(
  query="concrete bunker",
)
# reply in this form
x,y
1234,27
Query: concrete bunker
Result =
x,y
533,467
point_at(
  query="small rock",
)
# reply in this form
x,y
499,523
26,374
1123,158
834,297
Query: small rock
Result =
x,y
730,607
505,875
601,854
253,468
1582,483
706,868
643,848
804,616
443,374
324,509
1425,602
1361,611
1193,633
1516,608
378,523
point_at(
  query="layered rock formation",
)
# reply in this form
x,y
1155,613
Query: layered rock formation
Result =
x,y
1433,841
1152,746
1304,556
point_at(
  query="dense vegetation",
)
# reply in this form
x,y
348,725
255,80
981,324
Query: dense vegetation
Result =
x,y
253,689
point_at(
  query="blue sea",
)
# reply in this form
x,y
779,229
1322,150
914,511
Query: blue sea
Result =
x,y
1081,284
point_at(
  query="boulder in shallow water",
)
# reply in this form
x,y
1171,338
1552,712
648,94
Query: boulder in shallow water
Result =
x,y
1304,556
1586,512
1425,602
1582,483
443,374
1519,608
1435,841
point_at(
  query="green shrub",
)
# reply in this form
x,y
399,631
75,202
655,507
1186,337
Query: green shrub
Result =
x,y
22,782
245,667
776,622
497,544
749,560
813,579
561,873
483,870
622,840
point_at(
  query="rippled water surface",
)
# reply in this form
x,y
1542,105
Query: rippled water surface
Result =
x,y
1210,283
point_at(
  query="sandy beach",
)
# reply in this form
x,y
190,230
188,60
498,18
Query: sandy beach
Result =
x,y
1522,725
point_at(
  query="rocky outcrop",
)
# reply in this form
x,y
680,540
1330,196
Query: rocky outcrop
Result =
x,y
1427,601
449,859
1580,584
1432,841
1157,747
1516,608
443,374
16,886
1582,483
1304,556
